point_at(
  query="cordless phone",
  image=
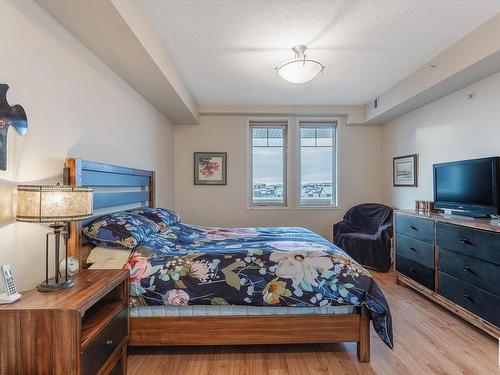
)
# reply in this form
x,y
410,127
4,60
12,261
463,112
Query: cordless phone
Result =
x,y
11,294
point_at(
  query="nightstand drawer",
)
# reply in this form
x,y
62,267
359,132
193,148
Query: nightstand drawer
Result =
x,y
421,274
417,250
476,243
421,229
476,300
475,271
100,349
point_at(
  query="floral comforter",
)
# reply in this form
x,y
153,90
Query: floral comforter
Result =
x,y
189,265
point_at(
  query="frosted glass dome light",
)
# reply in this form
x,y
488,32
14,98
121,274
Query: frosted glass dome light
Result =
x,y
301,69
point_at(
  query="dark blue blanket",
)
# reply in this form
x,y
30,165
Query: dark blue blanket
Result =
x,y
188,265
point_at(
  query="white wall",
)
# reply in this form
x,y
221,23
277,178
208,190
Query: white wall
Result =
x,y
76,106
358,169
452,128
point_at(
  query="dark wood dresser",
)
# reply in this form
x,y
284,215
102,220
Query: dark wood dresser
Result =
x,y
80,330
453,261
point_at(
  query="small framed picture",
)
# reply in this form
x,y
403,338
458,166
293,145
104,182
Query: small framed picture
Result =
x,y
404,170
210,168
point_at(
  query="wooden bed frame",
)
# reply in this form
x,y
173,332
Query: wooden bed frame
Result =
x,y
213,330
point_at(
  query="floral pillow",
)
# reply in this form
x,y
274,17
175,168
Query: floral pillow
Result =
x,y
119,229
162,217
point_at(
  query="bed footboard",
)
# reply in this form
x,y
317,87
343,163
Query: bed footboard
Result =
x,y
253,330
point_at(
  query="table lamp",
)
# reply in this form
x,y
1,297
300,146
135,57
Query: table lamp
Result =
x,y
58,205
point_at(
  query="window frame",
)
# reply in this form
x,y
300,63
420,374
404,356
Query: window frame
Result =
x,y
277,123
318,122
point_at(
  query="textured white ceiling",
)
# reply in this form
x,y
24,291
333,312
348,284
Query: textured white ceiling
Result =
x,y
226,50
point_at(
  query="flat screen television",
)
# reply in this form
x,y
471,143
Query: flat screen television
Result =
x,y
468,187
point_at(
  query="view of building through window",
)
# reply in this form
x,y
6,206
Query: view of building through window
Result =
x,y
268,163
317,184
316,163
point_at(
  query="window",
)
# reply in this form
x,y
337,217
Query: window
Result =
x,y
318,185
268,163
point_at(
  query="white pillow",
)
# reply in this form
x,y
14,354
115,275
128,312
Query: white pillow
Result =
x,y
106,258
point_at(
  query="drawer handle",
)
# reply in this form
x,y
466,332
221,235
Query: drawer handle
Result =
x,y
468,298
412,227
465,241
109,342
413,249
413,270
468,269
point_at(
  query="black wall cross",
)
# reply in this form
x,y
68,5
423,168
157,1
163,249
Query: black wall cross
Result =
x,y
9,115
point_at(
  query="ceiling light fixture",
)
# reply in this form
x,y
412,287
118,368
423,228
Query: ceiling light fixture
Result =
x,y
301,69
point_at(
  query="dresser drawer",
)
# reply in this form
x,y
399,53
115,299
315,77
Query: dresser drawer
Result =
x,y
421,229
477,243
95,355
417,250
476,300
475,271
421,274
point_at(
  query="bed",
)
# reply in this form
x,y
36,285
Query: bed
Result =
x,y
242,285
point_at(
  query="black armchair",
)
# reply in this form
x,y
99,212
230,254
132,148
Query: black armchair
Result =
x,y
365,234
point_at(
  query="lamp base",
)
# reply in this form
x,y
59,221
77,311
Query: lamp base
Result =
x,y
52,286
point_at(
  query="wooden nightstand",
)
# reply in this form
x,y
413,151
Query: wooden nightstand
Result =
x,y
80,330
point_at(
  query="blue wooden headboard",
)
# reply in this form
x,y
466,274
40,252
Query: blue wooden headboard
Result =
x,y
115,188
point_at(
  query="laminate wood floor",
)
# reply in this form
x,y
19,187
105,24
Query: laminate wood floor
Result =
x,y
428,340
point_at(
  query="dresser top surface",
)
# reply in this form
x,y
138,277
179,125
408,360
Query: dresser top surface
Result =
x,y
483,224
90,286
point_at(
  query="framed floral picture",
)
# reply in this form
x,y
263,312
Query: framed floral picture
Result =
x,y
404,170
210,168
